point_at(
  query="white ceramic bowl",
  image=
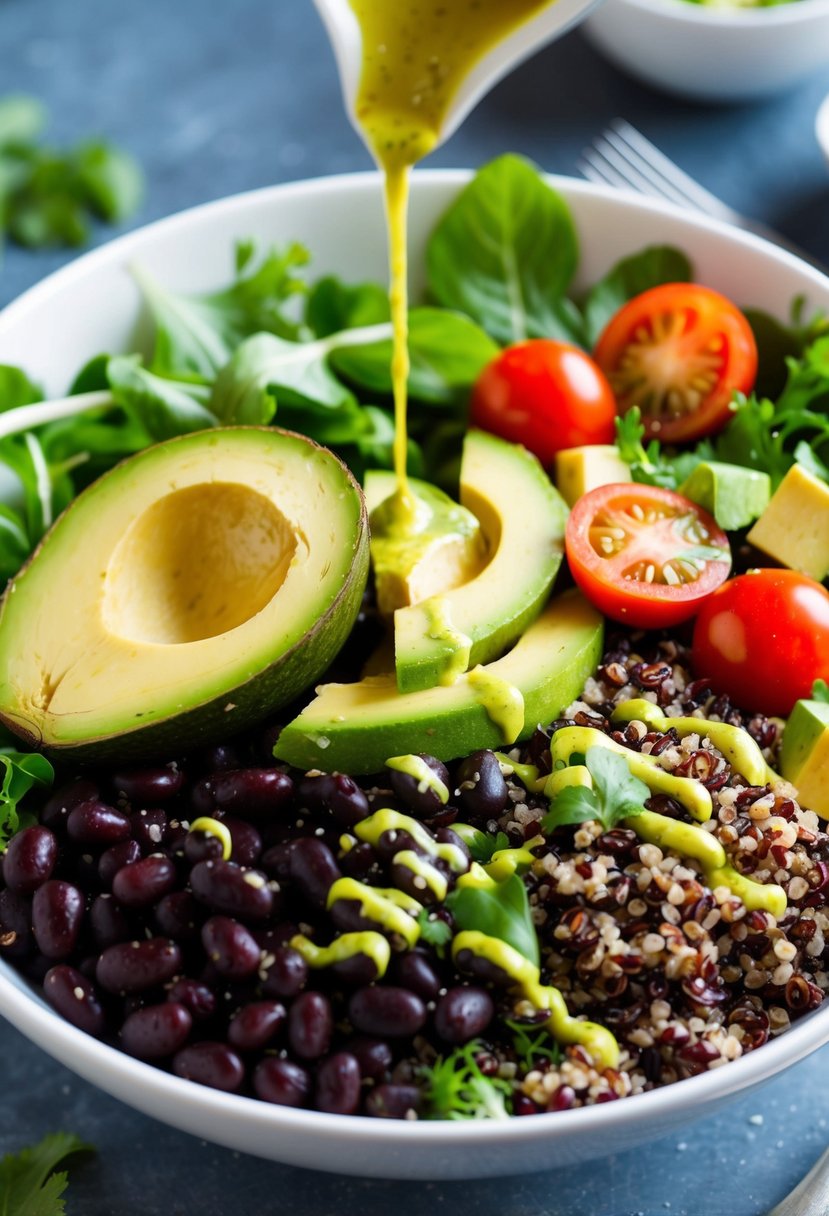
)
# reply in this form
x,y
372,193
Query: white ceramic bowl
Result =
x,y
822,126
92,306
713,54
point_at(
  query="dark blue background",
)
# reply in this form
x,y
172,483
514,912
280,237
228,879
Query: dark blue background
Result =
x,y
219,97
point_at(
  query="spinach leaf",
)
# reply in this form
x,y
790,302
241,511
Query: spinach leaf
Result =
x,y
20,772
165,407
447,353
109,179
501,910
628,278
616,794
14,542
267,370
196,335
777,343
505,252
333,305
16,388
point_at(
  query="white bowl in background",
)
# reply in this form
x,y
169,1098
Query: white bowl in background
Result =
x,y
822,126
713,54
93,305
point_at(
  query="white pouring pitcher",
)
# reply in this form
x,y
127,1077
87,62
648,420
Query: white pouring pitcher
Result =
x,y
344,32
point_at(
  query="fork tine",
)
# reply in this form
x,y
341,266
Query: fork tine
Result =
x,y
595,169
631,173
650,161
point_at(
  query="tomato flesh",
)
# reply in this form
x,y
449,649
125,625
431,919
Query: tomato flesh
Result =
x,y
545,395
763,639
679,351
643,555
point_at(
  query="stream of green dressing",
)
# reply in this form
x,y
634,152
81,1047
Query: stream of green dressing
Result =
x,y
441,629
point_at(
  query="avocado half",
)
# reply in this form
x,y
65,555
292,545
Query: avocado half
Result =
x,y
187,594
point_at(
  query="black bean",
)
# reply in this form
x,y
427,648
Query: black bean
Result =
x,y
211,1064
482,790
231,948
338,1084
393,1101
226,887
145,881
108,922
178,915
287,974
463,1014
136,966
386,1011
57,913
281,1082
310,1025
198,998
253,1027
202,846
156,1031
56,809
313,868
220,758
358,861
115,858
276,861
414,971
245,839
30,859
95,823
16,938
373,1055
355,971
149,828
335,794
252,793
473,964
149,785
74,997
422,802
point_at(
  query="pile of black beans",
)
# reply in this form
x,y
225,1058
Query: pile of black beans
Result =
x,y
141,933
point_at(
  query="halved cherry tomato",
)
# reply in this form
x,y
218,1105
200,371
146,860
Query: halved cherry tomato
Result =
x,y
679,352
547,395
763,639
644,555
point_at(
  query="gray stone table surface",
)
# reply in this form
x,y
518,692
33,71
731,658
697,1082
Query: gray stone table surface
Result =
x,y
225,96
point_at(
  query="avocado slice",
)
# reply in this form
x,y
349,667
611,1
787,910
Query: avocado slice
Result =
x,y
356,727
523,517
733,495
187,594
804,754
446,550
794,528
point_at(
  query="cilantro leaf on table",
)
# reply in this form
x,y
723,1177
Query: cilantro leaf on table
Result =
x,y
455,1087
29,1185
616,794
501,910
21,771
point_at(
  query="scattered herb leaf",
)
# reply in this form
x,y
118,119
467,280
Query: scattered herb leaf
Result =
x,y
616,794
529,1047
433,931
501,910
20,772
455,1087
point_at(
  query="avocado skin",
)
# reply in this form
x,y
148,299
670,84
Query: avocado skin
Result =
x,y
245,705
357,748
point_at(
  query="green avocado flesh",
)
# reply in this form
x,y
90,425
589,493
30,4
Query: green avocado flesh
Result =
x,y
733,495
354,728
184,596
804,754
522,517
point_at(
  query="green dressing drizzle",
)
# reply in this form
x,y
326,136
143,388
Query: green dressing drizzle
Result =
x,y
385,906
214,827
734,743
527,774
441,629
526,976
383,821
691,794
346,946
502,702
417,768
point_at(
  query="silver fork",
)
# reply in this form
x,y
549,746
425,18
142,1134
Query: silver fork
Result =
x,y
621,156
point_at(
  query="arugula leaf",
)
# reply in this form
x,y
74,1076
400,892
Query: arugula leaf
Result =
x,y
616,794
628,278
777,343
820,691
21,771
16,388
648,465
333,305
501,910
447,353
456,1088
14,542
196,335
28,1184
505,253
267,370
